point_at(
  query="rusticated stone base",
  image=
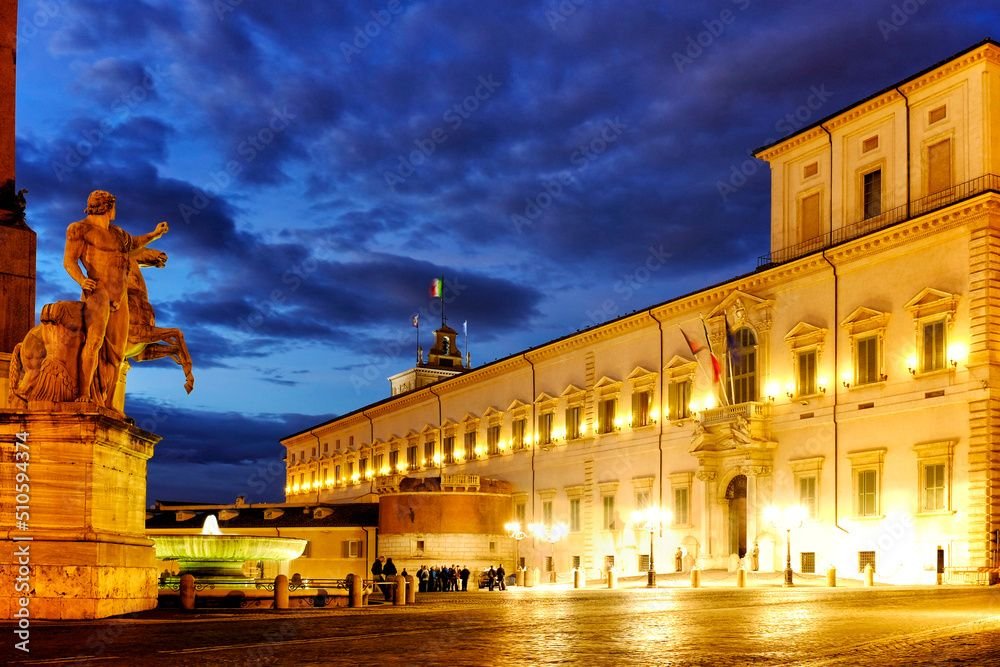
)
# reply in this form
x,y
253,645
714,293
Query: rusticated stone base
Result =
x,y
88,556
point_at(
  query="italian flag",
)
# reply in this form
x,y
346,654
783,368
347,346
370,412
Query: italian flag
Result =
x,y
437,288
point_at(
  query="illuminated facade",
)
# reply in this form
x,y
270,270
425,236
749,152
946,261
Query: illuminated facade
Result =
x,y
860,374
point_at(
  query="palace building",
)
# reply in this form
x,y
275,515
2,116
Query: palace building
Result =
x,y
857,378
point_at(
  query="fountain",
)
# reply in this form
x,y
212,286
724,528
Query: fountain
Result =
x,y
212,554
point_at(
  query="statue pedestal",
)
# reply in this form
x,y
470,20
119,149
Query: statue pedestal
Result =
x,y
88,554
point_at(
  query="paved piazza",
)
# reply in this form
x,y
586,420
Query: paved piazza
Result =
x,y
557,626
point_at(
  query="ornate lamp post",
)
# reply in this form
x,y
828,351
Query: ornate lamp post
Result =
x,y
651,519
786,519
549,533
514,532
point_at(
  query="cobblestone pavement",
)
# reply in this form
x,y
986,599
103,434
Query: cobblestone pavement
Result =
x,y
816,627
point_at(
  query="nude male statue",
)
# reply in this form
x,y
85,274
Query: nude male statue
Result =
x,y
103,249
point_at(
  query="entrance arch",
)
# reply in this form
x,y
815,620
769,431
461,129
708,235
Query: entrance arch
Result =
x,y
736,497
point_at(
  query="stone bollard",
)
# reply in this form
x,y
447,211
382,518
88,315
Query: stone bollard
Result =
x,y
187,591
695,577
612,579
741,578
831,577
519,577
281,592
399,596
577,578
869,575
356,586
411,590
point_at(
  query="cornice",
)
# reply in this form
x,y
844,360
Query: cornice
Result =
x,y
865,108
591,336
793,142
917,228
987,53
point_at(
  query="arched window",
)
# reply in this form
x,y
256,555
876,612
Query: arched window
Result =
x,y
743,366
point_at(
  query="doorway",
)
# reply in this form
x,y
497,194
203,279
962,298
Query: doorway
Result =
x,y
736,496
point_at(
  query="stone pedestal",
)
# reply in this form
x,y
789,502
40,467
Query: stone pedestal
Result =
x,y
88,553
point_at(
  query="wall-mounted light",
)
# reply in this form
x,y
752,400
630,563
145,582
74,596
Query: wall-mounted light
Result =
x,y
911,364
957,353
822,383
771,390
845,379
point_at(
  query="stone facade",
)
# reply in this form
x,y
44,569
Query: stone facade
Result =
x,y
860,374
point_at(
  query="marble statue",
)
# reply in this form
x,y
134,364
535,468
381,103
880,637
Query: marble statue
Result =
x,y
78,351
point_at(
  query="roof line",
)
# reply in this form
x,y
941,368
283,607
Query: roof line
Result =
x,y
883,91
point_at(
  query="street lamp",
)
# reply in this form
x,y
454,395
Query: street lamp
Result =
x,y
550,533
651,518
514,532
786,518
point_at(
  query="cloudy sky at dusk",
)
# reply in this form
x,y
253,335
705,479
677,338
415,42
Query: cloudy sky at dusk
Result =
x,y
558,163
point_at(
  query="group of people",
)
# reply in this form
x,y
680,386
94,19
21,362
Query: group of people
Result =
x,y
438,579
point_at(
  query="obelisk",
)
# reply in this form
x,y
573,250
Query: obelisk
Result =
x,y
17,241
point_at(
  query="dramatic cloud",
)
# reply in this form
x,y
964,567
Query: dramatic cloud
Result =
x,y
320,162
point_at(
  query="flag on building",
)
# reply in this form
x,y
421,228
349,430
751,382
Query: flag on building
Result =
x,y
416,320
697,347
732,344
465,328
437,288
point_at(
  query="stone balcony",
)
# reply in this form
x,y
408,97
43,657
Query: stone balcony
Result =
x,y
744,421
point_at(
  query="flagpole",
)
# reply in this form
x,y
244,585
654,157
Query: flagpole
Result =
x,y
468,354
708,339
417,327
443,320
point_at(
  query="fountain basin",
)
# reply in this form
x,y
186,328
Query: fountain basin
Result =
x,y
224,555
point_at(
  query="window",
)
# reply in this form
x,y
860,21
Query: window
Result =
x,y
808,562
517,433
411,457
608,503
678,400
939,167
574,416
448,445
493,439
932,356
326,447
682,513
429,452
934,472
937,114
810,170
809,217
336,474
470,444
807,494
869,144
642,499
806,373
867,493
350,470
867,474
867,368
549,566
379,461
350,441
606,416
576,562
866,558
574,515
545,428
393,460
521,512
352,548
642,403
420,545
743,366
871,185
363,467
934,485
547,513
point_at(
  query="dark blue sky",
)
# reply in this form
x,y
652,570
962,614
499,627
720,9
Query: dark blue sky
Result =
x,y
320,162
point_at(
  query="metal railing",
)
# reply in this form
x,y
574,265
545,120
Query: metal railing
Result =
x,y
916,208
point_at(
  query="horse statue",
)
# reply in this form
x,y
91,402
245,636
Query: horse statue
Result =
x,y
146,341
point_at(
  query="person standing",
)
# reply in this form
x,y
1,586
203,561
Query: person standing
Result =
x,y
491,577
502,577
465,577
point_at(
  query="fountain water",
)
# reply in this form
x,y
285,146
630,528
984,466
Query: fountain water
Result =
x,y
213,554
